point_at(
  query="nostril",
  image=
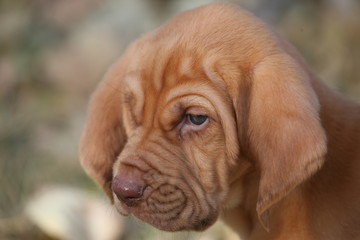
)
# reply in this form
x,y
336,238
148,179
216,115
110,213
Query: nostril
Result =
x,y
128,189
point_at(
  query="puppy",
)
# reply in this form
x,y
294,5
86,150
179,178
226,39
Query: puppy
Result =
x,y
212,115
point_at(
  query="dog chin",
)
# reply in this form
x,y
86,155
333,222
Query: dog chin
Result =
x,y
181,223
177,219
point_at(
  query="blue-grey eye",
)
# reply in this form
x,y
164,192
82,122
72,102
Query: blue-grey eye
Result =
x,y
197,119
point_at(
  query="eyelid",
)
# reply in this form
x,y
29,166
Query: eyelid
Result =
x,y
196,111
174,111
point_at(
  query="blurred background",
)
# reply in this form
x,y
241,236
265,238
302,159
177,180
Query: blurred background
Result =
x,y
52,55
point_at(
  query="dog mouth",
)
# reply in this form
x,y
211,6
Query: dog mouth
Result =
x,y
169,208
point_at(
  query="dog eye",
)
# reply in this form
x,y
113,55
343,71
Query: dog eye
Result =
x,y
197,119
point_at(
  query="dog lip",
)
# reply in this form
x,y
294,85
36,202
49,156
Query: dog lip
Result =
x,y
204,224
123,210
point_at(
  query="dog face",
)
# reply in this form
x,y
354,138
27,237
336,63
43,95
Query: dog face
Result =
x,y
177,147
174,121
181,140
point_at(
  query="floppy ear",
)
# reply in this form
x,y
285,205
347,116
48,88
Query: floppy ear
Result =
x,y
285,133
104,137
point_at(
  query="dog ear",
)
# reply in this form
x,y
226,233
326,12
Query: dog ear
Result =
x,y
104,137
285,133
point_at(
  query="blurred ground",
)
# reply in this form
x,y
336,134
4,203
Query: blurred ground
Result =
x,y
53,53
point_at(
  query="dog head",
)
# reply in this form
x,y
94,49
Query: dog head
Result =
x,y
175,119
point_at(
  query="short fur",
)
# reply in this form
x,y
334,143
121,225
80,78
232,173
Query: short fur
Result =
x,y
279,157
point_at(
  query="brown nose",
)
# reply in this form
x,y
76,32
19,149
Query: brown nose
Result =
x,y
128,188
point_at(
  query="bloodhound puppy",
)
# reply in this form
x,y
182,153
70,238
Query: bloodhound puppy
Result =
x,y
213,115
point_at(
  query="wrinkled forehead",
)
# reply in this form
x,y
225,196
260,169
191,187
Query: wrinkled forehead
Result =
x,y
160,66
154,68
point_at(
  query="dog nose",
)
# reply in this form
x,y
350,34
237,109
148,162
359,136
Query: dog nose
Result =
x,y
128,188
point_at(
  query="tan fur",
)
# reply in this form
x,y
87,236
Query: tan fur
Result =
x,y
279,157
